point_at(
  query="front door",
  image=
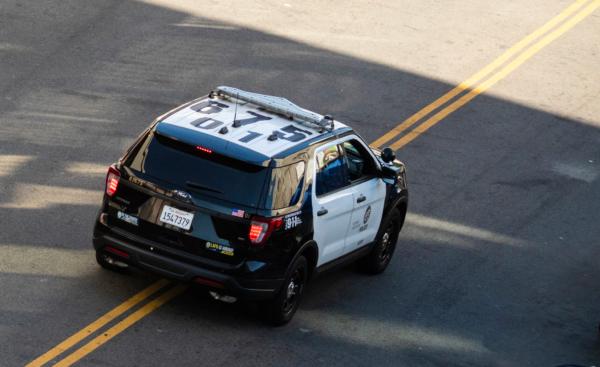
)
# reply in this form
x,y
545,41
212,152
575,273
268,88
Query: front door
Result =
x,y
368,194
333,203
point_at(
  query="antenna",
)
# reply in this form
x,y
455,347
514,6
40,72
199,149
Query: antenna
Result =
x,y
236,124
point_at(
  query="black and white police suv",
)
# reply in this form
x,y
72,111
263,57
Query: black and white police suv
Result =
x,y
250,196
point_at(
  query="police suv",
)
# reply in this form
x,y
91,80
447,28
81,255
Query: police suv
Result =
x,y
250,196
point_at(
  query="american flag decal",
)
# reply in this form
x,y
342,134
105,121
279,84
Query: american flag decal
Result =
x,y
237,213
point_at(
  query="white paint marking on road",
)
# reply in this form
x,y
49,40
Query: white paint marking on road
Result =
x,y
30,196
581,172
45,261
10,163
433,224
5,46
59,116
207,26
386,334
87,169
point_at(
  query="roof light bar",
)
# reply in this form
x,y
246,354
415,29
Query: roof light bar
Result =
x,y
279,105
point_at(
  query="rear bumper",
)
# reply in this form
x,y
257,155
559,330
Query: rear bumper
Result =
x,y
231,284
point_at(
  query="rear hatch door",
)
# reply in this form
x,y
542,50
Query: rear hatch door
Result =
x,y
191,200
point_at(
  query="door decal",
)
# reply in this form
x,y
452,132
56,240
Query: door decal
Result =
x,y
365,219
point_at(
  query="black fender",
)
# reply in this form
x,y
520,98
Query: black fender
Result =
x,y
401,199
395,202
311,246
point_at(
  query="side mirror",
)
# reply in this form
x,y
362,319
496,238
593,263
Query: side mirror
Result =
x,y
389,174
388,155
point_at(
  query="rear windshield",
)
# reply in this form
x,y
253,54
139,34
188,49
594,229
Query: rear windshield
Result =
x,y
199,172
217,176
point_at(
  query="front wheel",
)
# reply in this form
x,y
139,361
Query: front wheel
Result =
x,y
282,308
385,244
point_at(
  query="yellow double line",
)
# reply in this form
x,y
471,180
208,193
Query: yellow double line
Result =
x,y
111,315
488,76
398,136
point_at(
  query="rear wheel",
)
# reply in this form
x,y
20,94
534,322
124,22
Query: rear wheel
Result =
x,y
385,245
109,262
282,308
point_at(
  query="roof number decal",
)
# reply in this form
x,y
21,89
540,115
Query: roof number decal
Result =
x,y
267,125
251,136
296,133
211,123
207,107
257,117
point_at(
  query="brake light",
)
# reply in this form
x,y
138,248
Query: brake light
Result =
x,y
112,181
261,229
204,149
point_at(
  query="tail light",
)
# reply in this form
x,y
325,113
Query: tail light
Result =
x,y
261,229
112,180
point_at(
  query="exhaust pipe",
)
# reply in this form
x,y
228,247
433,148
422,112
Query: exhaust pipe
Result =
x,y
112,261
222,297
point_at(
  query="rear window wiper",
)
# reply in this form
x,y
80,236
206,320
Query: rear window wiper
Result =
x,y
197,186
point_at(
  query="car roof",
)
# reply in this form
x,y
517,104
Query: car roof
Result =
x,y
264,127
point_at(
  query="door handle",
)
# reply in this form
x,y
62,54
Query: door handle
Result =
x,y
361,198
323,211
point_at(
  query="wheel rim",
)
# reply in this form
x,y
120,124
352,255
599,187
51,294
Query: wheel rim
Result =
x,y
387,245
293,290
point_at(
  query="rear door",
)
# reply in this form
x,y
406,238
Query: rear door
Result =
x,y
368,194
332,202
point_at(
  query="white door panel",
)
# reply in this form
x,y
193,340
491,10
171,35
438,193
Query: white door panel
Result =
x,y
367,214
345,227
330,229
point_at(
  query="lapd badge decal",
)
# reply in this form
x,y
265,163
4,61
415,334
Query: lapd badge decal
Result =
x,y
367,214
365,219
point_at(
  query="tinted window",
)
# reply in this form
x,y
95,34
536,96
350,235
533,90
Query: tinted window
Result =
x,y
199,172
331,173
358,160
286,186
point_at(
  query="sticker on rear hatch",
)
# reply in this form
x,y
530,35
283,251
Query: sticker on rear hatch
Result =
x,y
238,213
127,218
292,220
222,249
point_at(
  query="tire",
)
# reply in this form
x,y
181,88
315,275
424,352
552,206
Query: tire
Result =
x,y
385,244
280,310
110,263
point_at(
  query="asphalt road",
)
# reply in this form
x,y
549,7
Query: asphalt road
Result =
x,y
498,264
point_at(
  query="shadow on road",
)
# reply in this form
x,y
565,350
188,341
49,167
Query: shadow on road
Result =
x,y
484,273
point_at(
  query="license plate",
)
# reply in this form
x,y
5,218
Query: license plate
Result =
x,y
176,217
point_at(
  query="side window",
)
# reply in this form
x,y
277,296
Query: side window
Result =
x,y
331,173
286,186
358,161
